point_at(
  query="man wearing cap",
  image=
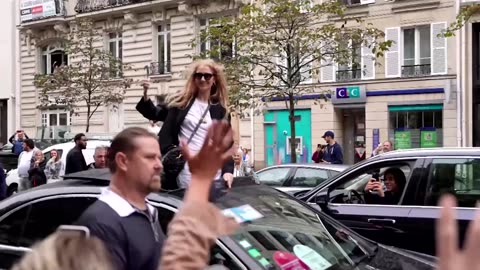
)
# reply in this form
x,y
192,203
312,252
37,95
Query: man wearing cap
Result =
x,y
333,152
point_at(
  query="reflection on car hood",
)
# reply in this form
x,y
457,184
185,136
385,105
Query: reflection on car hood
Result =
x,y
391,258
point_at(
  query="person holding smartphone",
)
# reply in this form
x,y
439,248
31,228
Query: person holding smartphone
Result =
x,y
388,192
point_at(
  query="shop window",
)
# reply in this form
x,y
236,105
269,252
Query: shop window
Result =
x,y
416,126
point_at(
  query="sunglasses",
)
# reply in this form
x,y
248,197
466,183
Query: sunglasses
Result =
x,y
206,76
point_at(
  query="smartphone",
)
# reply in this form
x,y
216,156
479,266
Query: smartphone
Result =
x,y
376,176
74,228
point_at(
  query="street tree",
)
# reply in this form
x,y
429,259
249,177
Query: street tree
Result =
x,y
92,78
465,14
273,48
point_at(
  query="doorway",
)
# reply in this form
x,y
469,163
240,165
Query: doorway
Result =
x,y
353,135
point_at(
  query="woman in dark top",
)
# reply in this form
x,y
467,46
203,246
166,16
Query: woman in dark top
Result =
x,y
36,173
191,112
394,180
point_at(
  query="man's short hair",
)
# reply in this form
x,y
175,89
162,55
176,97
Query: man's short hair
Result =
x,y
99,148
30,143
124,142
78,137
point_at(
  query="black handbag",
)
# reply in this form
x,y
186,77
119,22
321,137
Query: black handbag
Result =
x,y
174,162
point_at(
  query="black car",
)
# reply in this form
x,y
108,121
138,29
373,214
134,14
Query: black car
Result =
x,y
409,224
287,225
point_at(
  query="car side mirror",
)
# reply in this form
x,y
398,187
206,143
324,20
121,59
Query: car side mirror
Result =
x,y
322,199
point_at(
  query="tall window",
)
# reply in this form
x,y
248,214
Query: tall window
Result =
x,y
352,70
115,47
52,57
164,50
55,122
416,51
225,50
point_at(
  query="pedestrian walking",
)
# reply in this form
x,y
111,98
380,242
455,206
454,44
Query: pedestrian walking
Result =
x,y
189,116
75,159
99,158
333,152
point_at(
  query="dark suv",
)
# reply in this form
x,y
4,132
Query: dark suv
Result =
x,y
409,224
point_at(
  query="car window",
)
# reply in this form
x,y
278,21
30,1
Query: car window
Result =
x,y
217,254
333,173
11,226
308,177
460,177
274,176
45,216
358,179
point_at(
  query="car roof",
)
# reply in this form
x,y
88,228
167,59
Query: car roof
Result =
x,y
334,167
427,152
69,145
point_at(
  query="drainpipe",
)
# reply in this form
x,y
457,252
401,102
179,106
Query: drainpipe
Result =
x,y
17,62
459,81
252,125
464,84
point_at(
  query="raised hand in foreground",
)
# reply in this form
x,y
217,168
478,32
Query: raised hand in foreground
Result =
x,y
450,256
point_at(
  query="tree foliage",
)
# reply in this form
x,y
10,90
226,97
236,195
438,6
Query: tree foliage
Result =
x,y
279,44
92,78
462,18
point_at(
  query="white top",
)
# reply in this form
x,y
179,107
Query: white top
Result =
x,y
191,120
24,163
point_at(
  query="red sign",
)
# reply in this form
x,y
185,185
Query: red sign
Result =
x,y
38,9
288,261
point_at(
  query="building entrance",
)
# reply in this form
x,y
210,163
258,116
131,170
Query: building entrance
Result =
x,y
354,149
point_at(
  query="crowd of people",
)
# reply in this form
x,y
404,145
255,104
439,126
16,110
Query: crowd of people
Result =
x,y
194,150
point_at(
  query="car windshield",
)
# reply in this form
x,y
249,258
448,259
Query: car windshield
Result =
x,y
290,231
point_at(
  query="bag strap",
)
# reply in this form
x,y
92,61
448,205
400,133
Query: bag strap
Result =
x,y
199,123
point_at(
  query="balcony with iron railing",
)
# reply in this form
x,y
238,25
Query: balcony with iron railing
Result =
x,y
416,70
84,6
52,9
349,75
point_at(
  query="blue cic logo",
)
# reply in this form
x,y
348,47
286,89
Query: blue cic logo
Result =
x,y
348,92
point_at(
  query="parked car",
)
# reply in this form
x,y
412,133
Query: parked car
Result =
x,y
288,225
409,224
62,150
298,178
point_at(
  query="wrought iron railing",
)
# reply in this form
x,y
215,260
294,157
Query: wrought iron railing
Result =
x,y
94,5
349,75
416,70
160,68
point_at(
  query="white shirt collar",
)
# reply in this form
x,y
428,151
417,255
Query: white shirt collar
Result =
x,y
119,204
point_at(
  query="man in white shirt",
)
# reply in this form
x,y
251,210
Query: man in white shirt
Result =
x,y
24,164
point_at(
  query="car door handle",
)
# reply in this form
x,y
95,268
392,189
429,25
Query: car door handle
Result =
x,y
381,221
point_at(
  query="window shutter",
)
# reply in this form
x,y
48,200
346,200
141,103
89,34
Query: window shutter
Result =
x,y
439,49
306,71
363,2
328,68
392,56
368,61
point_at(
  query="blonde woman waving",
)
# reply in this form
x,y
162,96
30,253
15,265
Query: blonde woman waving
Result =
x,y
190,114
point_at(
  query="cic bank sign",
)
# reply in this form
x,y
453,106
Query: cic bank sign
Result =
x,y
349,94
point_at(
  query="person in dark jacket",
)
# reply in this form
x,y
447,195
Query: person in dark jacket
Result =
x,y
333,152
3,183
18,142
36,174
155,113
395,182
203,100
75,159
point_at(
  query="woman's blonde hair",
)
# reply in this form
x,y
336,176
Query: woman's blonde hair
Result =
x,y
218,93
67,250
